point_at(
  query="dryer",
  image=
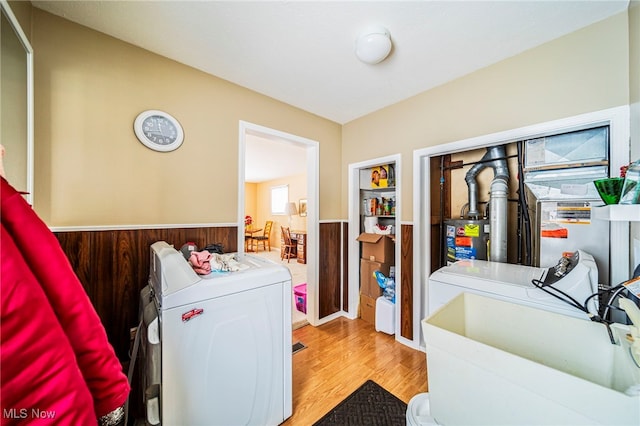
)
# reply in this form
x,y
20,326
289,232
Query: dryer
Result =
x,y
216,349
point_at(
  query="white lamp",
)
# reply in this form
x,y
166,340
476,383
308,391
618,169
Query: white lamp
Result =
x,y
290,209
373,45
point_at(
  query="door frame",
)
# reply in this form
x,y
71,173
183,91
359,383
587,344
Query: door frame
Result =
x,y
619,132
313,173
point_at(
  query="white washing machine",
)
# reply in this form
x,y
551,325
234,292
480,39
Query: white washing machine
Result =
x,y
576,276
216,349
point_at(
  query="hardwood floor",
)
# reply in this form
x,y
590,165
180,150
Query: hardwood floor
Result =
x,y
340,356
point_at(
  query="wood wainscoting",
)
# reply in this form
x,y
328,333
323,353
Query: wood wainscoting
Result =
x,y
406,282
113,266
329,269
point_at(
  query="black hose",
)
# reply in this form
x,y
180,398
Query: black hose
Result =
x,y
616,293
526,219
569,300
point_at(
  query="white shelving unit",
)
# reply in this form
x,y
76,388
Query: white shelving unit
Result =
x,y
368,192
380,194
618,212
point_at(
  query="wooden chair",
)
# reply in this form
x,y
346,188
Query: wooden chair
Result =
x,y
288,249
247,242
265,238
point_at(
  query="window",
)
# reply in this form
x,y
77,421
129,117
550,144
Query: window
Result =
x,y
279,198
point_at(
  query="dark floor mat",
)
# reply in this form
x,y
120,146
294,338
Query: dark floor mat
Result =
x,y
369,405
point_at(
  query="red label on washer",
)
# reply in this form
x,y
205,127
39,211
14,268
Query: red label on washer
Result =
x,y
191,314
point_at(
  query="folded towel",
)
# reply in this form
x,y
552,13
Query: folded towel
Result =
x,y
203,262
199,261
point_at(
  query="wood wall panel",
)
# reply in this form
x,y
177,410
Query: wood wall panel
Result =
x,y
406,281
440,184
76,245
103,286
113,266
329,269
130,272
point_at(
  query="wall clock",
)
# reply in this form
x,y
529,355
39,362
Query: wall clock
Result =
x,y
158,130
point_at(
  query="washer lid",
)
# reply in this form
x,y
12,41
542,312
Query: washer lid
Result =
x,y
483,273
502,280
182,289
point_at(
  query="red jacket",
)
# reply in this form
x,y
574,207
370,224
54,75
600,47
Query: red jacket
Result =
x,y
54,350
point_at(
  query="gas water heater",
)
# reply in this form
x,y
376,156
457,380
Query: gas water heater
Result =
x,y
474,237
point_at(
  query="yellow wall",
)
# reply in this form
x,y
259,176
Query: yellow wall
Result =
x,y
91,170
22,11
582,72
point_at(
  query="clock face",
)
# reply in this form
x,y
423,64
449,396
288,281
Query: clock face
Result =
x,y
158,130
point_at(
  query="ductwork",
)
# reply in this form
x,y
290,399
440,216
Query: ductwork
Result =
x,y
495,157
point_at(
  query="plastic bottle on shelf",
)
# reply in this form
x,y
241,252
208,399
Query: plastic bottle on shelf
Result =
x,y
392,175
631,188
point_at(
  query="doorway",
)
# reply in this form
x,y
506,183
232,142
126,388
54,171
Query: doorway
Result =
x,y
355,228
311,149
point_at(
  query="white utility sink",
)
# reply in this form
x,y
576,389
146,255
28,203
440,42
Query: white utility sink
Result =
x,y
493,362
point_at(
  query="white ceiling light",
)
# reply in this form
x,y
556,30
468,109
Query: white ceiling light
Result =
x,y
373,45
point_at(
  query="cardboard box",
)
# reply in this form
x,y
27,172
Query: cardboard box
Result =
x,y
368,284
380,177
368,309
380,248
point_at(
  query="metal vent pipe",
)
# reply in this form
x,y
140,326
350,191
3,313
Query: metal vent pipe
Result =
x,y
498,219
495,157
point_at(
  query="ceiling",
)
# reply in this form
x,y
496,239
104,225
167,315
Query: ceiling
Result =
x,y
302,52
269,159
